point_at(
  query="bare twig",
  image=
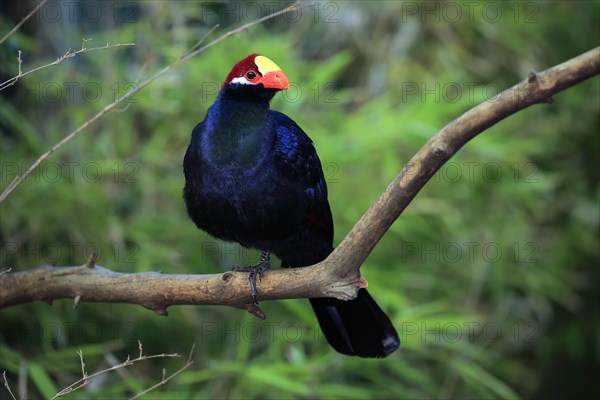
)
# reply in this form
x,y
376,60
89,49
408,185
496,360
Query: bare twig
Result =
x,y
19,179
83,372
7,386
166,378
17,26
69,54
20,72
86,379
202,39
338,275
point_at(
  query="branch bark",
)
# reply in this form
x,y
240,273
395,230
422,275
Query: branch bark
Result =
x,y
337,276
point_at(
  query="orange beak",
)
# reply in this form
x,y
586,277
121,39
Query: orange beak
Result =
x,y
275,80
272,76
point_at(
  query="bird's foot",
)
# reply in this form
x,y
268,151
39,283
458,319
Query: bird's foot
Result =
x,y
258,270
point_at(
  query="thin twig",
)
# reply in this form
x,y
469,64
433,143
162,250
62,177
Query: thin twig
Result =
x,y
165,378
86,379
83,372
69,54
202,39
18,180
20,60
7,386
17,26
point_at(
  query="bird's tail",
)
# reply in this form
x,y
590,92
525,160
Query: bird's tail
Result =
x,y
357,327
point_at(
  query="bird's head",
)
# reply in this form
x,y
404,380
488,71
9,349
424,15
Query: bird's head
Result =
x,y
256,74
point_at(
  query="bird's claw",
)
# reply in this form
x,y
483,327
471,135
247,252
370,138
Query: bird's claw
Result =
x,y
258,270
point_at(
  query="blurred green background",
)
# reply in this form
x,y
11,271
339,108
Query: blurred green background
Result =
x,y
490,276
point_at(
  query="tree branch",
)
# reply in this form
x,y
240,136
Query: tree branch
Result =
x,y
337,276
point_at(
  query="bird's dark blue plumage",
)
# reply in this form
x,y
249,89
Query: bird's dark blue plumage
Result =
x,y
253,176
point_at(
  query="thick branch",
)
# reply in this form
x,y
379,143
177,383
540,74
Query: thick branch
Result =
x,y
157,291
338,275
537,88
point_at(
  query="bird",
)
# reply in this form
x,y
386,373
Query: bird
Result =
x,y
253,176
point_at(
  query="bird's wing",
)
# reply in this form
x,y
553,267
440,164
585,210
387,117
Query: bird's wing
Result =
x,y
298,157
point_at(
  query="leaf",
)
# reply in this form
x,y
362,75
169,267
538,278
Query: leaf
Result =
x,y
42,381
474,373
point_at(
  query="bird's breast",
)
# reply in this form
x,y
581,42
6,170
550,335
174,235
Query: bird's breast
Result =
x,y
247,205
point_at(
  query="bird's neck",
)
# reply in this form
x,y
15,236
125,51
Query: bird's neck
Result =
x,y
237,132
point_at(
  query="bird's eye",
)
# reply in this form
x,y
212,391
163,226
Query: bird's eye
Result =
x,y
250,75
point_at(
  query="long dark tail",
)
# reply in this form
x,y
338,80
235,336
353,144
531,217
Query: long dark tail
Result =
x,y
357,327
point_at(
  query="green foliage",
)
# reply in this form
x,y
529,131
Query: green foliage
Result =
x,y
490,276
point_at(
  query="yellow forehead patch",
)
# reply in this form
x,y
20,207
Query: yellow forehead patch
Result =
x,y
265,65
